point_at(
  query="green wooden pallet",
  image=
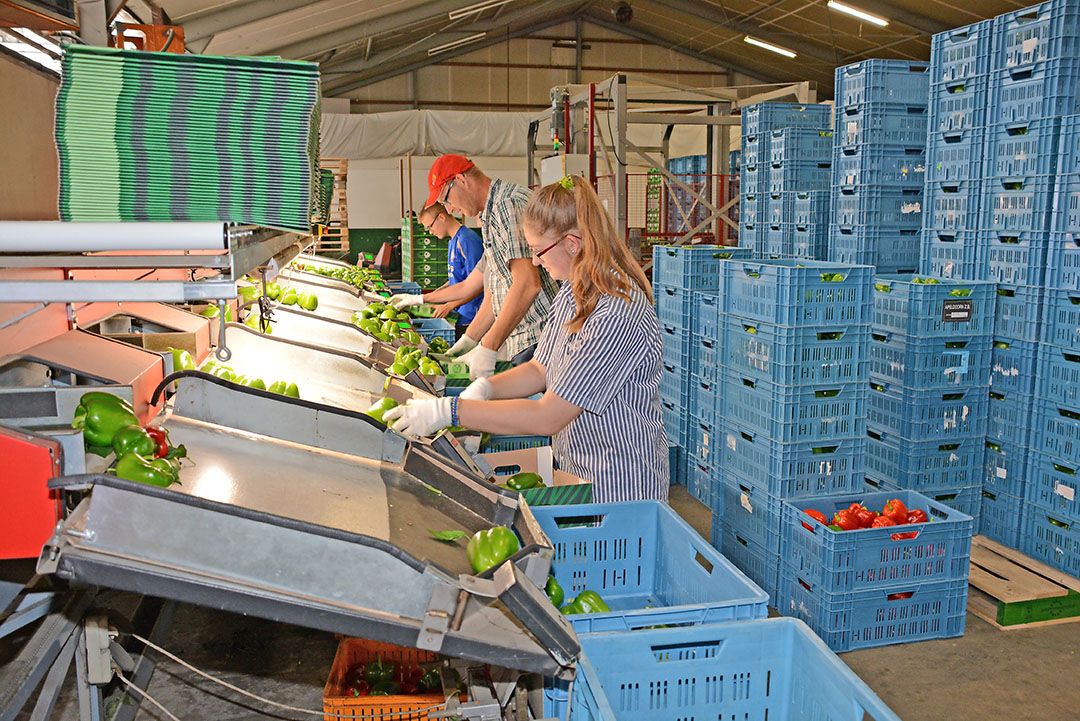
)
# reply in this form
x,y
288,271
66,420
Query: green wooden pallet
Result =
x,y
1011,590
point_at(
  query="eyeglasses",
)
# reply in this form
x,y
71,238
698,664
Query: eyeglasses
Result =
x,y
540,254
446,192
428,226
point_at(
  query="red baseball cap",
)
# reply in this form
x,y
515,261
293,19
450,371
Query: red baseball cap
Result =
x,y
445,168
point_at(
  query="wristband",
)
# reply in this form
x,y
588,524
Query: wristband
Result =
x,y
454,420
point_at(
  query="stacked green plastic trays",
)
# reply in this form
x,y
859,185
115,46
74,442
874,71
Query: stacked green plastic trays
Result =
x,y
148,136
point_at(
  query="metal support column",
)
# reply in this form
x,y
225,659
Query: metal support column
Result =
x,y
618,94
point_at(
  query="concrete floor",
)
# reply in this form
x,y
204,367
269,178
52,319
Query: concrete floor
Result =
x,y
987,675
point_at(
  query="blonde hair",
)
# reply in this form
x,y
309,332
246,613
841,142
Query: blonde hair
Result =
x,y
605,265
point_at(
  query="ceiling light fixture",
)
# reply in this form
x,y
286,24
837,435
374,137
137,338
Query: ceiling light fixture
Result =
x,y
477,8
769,46
455,44
857,13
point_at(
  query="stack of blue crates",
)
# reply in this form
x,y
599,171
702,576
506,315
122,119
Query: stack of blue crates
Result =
x,y
684,211
797,204
791,420
879,164
929,371
959,87
759,122
685,278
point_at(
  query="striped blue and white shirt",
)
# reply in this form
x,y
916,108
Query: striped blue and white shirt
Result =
x,y
611,370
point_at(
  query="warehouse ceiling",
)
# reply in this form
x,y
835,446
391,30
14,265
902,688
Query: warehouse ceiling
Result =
x,y
361,42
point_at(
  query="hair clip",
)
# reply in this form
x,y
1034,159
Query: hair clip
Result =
x,y
567,183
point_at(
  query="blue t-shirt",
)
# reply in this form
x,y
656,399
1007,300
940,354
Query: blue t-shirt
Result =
x,y
464,253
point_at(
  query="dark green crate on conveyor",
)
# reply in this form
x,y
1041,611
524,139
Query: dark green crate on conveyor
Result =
x,y
146,136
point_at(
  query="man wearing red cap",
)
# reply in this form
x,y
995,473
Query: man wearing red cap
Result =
x,y
517,294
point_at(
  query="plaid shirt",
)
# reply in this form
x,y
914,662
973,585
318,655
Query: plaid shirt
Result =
x,y
504,240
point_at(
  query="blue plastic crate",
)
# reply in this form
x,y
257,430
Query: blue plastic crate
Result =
x,y
673,305
1016,205
751,209
705,356
704,399
691,267
1058,375
706,315
966,500
779,242
751,151
791,470
1069,146
800,145
928,310
499,444
703,442
764,118
1015,258
797,292
1013,364
791,176
903,613
760,565
882,124
934,414
882,81
676,424
1051,537
677,463
875,558
703,482
1000,517
1023,150
1005,468
1054,485
889,250
1009,417
913,362
431,328
1065,217
952,204
1043,32
647,563
916,465
878,207
676,345
950,254
404,286
811,208
881,166
1055,431
790,414
811,241
958,105
675,385
1017,312
788,355
1044,90
962,53
773,668
1061,318
750,512
779,208
956,155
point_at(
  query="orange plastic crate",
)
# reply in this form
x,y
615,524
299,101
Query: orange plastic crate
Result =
x,y
354,652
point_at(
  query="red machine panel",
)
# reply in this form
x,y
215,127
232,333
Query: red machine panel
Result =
x,y
28,510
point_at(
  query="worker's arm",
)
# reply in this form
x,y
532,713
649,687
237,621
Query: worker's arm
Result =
x,y
466,290
544,417
524,288
521,382
482,320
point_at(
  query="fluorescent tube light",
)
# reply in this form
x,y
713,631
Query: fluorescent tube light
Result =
x,y
769,46
456,44
476,8
857,13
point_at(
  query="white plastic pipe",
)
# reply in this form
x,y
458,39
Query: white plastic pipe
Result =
x,y
54,236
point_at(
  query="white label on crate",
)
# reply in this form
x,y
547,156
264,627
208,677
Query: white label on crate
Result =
x,y
1066,492
731,442
744,501
1029,45
1001,472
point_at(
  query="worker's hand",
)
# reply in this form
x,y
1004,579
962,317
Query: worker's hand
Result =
x,y
463,346
481,362
405,300
420,417
479,390
442,309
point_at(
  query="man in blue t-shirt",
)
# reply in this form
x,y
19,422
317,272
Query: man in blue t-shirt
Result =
x,y
464,252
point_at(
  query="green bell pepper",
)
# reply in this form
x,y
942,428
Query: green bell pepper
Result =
x,y
379,409
182,360
586,602
134,439
524,481
487,549
100,416
308,301
289,296
134,467
379,671
554,591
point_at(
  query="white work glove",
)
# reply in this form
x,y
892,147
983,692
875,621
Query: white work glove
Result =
x,y
479,390
420,417
405,300
463,345
481,362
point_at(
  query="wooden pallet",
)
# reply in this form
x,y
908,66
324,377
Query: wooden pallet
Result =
x,y
1010,590
335,235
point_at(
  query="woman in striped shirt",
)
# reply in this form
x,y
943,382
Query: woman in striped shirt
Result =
x,y
597,362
